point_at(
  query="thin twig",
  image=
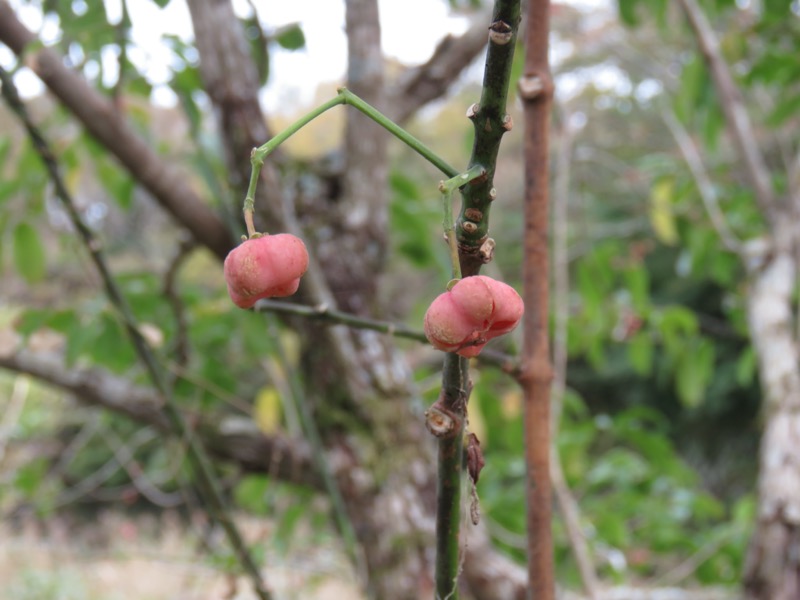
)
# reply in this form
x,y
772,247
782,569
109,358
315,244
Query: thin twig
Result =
x,y
736,115
169,291
536,92
141,482
337,317
206,478
703,182
693,562
121,32
12,411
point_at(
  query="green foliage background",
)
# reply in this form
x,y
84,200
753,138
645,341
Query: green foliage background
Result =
x,y
659,433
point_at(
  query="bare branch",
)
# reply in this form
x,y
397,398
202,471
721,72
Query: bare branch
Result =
x,y
169,291
167,185
736,115
417,86
703,182
233,438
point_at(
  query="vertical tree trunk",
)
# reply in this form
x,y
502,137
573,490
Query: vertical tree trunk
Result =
x,y
363,205
772,570
389,490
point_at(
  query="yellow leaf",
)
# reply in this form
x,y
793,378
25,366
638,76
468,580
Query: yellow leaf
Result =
x,y
267,411
511,404
661,216
477,422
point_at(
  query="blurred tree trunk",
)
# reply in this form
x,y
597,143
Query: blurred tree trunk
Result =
x,y
358,385
389,491
357,373
772,570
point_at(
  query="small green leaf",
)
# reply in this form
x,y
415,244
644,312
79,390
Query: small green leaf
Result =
x,y
29,253
290,37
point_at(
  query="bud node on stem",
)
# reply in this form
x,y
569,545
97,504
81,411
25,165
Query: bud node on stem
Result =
x,y
440,422
500,33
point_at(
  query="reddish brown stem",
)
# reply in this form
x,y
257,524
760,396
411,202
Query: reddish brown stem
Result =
x,y
536,91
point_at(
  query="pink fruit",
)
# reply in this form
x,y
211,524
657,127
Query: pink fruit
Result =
x,y
266,266
474,311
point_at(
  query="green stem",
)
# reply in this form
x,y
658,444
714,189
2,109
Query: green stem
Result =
x,y
323,313
258,155
345,96
398,132
452,402
206,479
447,188
490,122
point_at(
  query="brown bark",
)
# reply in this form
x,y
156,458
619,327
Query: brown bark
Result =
x,y
536,91
362,208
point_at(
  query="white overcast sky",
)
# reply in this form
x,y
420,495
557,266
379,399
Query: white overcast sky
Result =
x,y
294,75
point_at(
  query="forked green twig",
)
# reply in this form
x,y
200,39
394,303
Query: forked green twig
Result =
x,y
345,96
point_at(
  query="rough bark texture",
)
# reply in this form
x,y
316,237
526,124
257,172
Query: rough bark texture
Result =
x,y
362,207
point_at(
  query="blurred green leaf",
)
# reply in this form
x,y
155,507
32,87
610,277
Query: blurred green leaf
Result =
x,y
29,476
290,37
29,253
694,371
746,366
250,493
627,11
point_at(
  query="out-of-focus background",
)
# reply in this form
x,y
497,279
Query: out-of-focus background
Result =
x,y
658,241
